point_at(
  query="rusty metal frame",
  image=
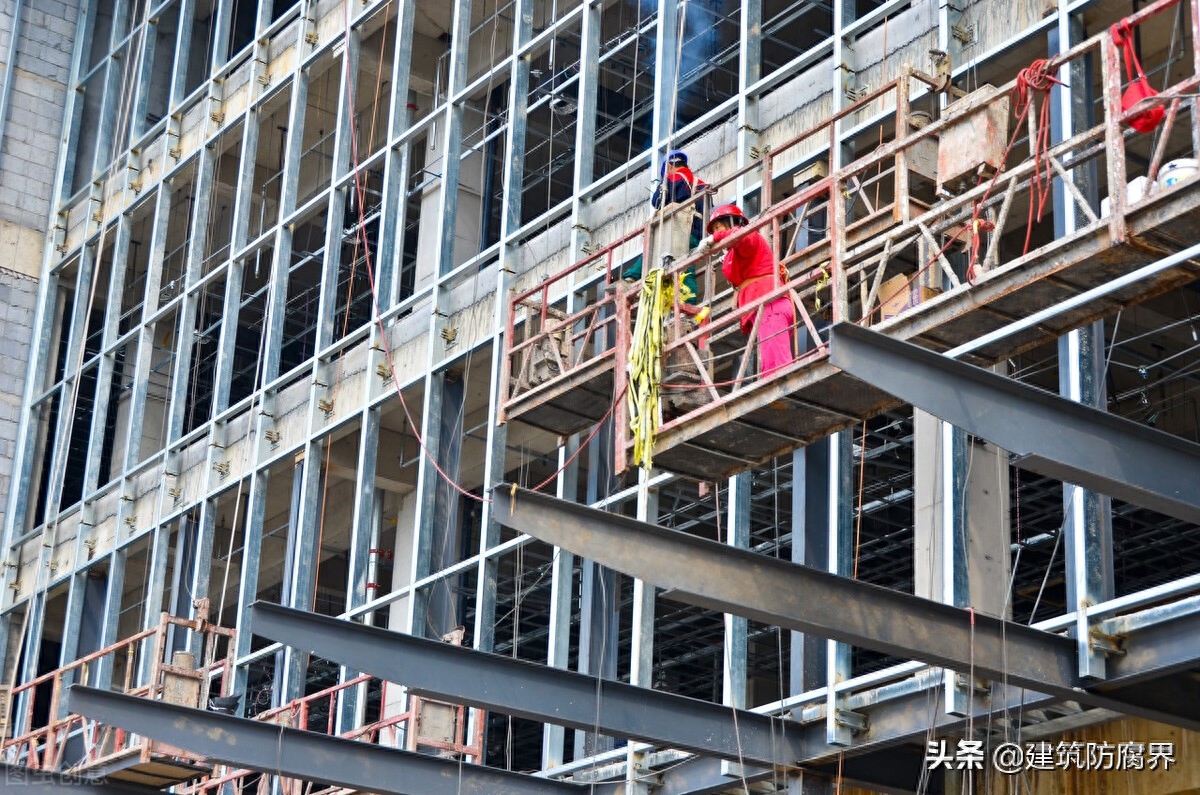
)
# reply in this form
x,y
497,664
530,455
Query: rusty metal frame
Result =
x,y
273,749
995,199
532,691
44,782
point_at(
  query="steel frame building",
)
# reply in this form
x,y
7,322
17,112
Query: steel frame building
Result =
x,y
268,364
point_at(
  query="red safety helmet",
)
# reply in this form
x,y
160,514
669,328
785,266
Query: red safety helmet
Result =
x,y
727,212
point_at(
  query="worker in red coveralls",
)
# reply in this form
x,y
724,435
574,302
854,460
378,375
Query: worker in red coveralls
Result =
x,y
751,268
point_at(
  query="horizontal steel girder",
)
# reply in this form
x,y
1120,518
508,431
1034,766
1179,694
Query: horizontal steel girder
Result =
x,y
308,756
1056,437
527,690
800,598
744,583
26,781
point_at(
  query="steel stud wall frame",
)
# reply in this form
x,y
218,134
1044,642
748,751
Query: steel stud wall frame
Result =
x,y
253,155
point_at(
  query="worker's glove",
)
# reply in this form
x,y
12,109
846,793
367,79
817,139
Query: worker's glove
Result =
x,y
705,245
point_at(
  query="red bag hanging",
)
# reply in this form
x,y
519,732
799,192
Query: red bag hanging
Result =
x,y
1139,86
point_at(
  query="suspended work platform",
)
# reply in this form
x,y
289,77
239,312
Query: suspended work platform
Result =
x,y
61,741
934,237
74,744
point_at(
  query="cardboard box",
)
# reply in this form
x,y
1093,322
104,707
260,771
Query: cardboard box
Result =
x,y
897,295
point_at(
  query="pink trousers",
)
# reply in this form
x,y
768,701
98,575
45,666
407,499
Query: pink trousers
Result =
x,y
775,332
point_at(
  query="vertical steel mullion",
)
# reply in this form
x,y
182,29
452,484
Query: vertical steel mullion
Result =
x,y
510,221
394,203
364,529
222,22
562,591
452,147
563,567
252,538
844,68
31,640
641,655
283,236
70,386
666,79
72,622
599,613
201,574
1087,520
585,137
841,562
737,628
305,561
183,48
81,631
749,73
335,211
145,345
112,614
69,145
26,458
427,483
156,582
641,641
111,101
562,581
1087,516
231,310
365,498
809,541
141,91
954,540
118,264
189,306
112,107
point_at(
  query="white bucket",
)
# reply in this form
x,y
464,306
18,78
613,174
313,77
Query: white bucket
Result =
x,y
1177,171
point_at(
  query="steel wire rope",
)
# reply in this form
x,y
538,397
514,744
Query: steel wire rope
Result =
x,y
59,448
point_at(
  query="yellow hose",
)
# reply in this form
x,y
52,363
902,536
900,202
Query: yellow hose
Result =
x,y
645,366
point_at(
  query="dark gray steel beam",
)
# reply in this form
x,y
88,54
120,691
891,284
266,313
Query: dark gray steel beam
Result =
x,y
26,781
1152,652
799,598
1057,437
890,724
528,690
307,756
776,592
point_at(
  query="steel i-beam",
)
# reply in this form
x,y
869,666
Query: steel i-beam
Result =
x,y
714,576
1055,437
308,756
528,690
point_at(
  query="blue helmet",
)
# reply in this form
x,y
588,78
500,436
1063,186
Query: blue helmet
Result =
x,y
677,158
